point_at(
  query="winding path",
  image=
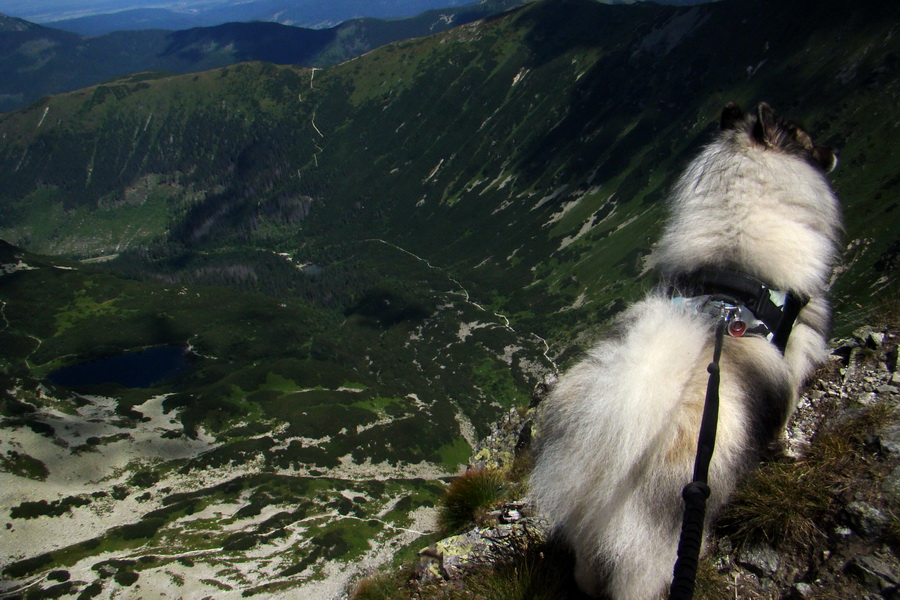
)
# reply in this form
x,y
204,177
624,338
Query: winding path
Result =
x,y
468,299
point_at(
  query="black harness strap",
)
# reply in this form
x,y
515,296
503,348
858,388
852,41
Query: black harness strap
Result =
x,y
746,290
697,491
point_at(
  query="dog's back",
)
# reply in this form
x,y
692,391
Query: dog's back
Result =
x,y
617,437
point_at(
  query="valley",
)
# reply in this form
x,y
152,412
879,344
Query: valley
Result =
x,y
370,263
259,478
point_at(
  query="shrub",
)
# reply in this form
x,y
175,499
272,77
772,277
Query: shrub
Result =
x,y
126,578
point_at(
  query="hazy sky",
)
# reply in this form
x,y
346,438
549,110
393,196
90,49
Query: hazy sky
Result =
x,y
43,11
52,10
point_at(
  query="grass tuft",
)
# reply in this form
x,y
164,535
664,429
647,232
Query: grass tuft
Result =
x,y
387,585
534,570
469,498
791,503
780,503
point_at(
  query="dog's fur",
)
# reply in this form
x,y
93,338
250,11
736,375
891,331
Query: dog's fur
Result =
x,y
616,439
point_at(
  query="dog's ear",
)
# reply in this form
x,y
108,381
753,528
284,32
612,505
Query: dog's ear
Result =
x,y
731,114
764,128
825,157
801,138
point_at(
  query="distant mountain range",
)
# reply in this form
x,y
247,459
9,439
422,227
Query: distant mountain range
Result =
x,y
121,14
97,17
36,61
299,13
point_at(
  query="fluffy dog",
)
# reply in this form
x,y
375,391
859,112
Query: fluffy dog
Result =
x,y
617,437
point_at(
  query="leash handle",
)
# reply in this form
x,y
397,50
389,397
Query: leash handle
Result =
x,y
695,495
697,491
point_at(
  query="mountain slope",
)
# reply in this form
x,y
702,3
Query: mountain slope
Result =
x,y
529,153
38,61
134,19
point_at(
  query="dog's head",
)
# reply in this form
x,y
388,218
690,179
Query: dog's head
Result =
x,y
767,129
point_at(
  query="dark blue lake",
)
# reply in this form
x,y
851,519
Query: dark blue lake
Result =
x,y
133,370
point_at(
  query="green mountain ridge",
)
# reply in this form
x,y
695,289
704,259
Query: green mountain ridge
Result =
x,y
374,261
37,60
529,149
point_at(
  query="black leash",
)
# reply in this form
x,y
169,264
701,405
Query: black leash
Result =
x,y
697,491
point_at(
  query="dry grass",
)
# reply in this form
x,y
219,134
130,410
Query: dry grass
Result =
x,y
791,503
532,569
535,571
780,502
387,585
710,584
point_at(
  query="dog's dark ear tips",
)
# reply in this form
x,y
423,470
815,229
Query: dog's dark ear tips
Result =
x,y
825,157
765,126
731,114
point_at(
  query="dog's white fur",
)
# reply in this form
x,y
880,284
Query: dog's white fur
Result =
x,y
617,437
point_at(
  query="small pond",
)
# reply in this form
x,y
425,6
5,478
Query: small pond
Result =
x,y
139,369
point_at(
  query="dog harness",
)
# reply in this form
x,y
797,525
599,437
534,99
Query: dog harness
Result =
x,y
755,307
